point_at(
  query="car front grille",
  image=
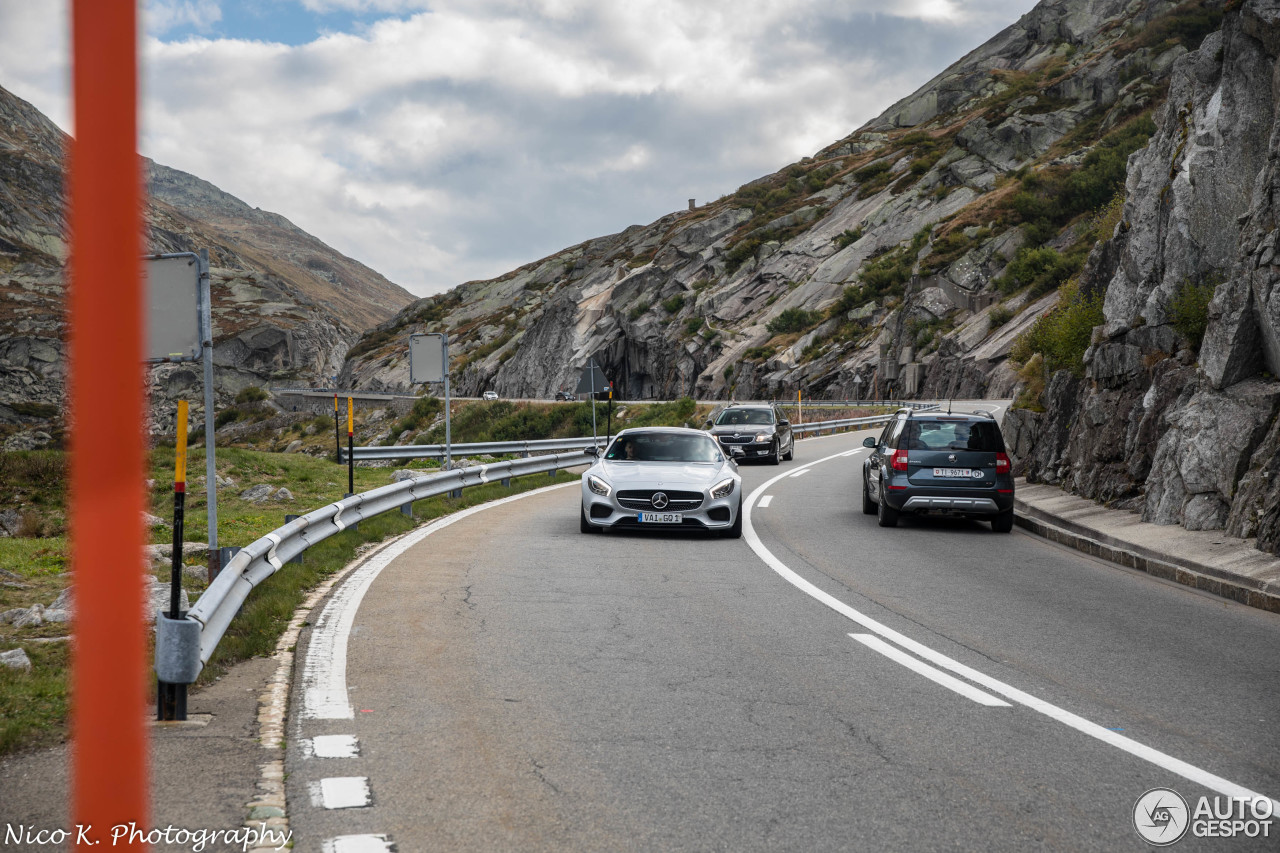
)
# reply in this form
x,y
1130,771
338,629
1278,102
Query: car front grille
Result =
x,y
736,439
642,499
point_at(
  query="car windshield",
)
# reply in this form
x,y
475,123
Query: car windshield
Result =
x,y
745,417
953,435
663,447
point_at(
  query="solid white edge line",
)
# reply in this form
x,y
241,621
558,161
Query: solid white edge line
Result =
x,y
324,673
1119,741
765,501
951,683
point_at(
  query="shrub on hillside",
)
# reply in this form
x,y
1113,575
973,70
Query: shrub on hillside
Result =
x,y
1062,335
1189,310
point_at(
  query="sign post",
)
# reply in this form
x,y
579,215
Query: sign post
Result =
x,y
429,362
180,328
590,382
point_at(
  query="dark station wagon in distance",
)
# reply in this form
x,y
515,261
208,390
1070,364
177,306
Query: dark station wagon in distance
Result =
x,y
753,431
939,463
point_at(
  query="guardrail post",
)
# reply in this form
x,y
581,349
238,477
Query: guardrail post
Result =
x,y
225,554
506,482
407,509
287,519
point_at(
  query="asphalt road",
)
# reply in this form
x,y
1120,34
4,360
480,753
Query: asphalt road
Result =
x,y
516,685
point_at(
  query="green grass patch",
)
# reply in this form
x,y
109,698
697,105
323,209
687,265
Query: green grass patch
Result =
x,y
33,705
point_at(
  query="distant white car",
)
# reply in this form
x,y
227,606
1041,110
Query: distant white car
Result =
x,y
662,477
490,395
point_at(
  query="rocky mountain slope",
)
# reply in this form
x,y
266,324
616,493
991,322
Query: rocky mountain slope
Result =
x,y
868,267
286,306
1063,214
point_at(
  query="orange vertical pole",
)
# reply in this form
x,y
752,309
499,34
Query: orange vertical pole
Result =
x,y
109,765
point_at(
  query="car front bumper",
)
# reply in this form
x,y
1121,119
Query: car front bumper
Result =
x,y
713,514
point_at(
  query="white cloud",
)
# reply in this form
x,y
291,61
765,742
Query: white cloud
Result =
x,y
458,142
161,16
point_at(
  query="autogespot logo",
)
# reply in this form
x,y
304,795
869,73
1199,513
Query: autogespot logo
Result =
x,y
1161,817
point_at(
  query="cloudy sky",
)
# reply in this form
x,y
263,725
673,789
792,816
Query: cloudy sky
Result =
x,y
440,141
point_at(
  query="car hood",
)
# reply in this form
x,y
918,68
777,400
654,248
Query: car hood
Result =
x,y
653,475
742,429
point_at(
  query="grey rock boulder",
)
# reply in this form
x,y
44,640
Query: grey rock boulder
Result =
x,y
16,659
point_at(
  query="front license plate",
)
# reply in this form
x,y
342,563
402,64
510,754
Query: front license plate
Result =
x,y
661,518
952,472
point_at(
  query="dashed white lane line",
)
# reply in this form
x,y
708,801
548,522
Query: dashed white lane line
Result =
x,y
1153,756
936,675
331,746
765,501
801,472
358,844
341,792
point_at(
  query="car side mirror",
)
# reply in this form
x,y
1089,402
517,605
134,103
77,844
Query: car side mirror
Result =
x,y
737,451
785,422
592,451
868,442
707,425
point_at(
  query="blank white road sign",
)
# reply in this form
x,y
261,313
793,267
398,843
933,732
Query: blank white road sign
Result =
x,y
173,309
426,357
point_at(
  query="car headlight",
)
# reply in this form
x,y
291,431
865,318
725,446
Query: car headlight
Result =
x,y
600,487
722,489
763,437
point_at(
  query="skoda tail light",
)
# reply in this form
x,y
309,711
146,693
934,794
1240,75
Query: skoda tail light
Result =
x,y
898,462
1002,463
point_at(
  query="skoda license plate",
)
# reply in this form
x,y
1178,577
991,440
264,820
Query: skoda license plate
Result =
x,y
661,518
952,472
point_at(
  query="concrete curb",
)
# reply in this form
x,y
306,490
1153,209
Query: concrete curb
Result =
x,y
1180,570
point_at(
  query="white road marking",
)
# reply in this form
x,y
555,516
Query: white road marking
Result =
x,y
1119,741
324,674
341,792
801,472
966,690
357,844
765,501
331,746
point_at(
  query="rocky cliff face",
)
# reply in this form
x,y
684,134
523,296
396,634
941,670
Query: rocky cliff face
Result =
x,y
286,307
1181,428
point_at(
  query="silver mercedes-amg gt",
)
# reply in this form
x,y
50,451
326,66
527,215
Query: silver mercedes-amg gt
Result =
x,y
662,478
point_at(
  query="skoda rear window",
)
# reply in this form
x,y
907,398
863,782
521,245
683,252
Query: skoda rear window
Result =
x,y
982,436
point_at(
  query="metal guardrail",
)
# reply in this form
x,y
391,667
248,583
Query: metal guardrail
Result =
x,y
493,448
846,423
824,426
503,448
184,646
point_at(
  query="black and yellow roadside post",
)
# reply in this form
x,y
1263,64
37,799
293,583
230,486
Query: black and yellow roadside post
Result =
x,y
171,699
351,447
608,428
